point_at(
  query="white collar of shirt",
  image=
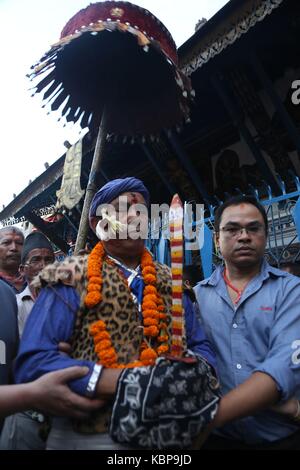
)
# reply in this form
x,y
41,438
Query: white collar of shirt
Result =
x,y
133,272
25,294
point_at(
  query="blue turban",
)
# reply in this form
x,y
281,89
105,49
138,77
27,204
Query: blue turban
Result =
x,y
115,188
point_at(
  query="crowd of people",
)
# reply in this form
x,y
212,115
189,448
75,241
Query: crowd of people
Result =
x,y
89,335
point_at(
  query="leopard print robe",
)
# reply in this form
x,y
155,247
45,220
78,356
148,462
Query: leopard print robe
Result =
x,y
117,309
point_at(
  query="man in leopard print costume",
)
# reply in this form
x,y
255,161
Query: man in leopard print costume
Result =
x,y
61,314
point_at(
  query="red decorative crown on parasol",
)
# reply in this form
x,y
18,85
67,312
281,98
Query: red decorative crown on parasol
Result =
x,y
118,56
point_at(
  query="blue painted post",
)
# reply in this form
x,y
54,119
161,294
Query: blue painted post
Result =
x,y
206,252
161,250
188,260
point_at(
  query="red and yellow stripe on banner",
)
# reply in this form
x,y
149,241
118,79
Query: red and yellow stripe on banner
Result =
x,y
176,242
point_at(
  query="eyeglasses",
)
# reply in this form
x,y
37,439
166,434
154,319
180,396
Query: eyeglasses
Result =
x,y
39,260
233,231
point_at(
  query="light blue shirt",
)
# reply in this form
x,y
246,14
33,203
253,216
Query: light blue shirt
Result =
x,y
259,334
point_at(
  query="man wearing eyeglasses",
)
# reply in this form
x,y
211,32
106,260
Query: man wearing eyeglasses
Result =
x,y
37,252
251,314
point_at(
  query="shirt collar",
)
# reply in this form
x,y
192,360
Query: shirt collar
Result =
x,y
135,271
25,294
266,271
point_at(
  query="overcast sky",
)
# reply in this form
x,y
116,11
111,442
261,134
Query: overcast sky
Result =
x,y
30,137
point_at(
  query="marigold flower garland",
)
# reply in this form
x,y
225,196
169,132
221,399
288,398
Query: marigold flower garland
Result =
x,y
155,327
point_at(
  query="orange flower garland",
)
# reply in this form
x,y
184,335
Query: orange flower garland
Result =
x,y
152,309
94,296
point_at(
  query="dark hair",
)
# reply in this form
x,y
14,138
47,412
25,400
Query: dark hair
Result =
x,y
192,273
235,201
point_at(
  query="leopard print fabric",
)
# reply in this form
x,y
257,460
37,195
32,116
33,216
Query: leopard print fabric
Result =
x,y
117,308
118,311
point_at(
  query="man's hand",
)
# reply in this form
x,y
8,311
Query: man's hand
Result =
x,y
52,395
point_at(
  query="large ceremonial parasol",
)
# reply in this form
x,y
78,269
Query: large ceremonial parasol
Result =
x,y
115,67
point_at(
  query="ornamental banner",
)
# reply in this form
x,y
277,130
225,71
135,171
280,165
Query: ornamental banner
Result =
x,y
70,192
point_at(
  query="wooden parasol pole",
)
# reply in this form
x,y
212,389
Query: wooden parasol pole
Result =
x,y
91,186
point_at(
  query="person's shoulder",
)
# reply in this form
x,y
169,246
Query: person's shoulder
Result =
x,y
6,284
161,265
286,283
8,297
69,272
188,291
6,289
211,280
284,275
276,272
163,268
